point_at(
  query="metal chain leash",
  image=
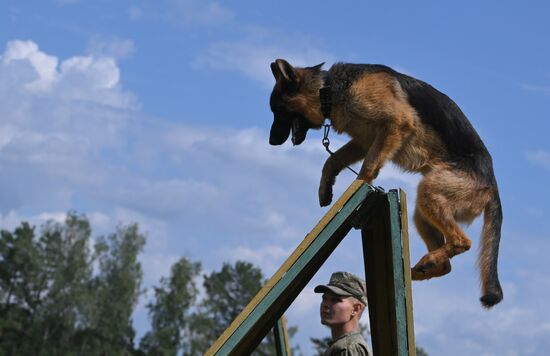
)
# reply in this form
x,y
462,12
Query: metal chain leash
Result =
x,y
326,143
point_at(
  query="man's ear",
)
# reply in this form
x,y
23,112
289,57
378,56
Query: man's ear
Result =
x,y
284,72
358,308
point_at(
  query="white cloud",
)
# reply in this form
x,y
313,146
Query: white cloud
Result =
x,y
34,74
99,220
391,172
157,265
147,225
56,120
165,199
267,257
268,220
540,158
10,220
58,217
252,56
479,332
307,303
44,66
247,147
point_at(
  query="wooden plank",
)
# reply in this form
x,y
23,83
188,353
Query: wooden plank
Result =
x,y
304,245
385,275
378,275
281,337
285,336
407,269
398,274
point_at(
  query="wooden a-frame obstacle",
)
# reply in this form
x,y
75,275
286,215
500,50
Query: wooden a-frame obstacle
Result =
x,y
382,218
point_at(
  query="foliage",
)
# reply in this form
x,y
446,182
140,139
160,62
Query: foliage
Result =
x,y
64,293
51,304
116,290
227,293
169,311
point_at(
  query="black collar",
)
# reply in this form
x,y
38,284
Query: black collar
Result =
x,y
325,95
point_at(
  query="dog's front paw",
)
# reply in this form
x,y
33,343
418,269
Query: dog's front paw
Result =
x,y
325,195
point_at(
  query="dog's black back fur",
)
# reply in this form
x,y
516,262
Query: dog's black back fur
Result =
x,y
435,109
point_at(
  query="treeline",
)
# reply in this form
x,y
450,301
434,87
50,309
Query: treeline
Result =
x,y
64,293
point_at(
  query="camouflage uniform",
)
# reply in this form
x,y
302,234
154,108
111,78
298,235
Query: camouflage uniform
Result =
x,y
349,285
350,344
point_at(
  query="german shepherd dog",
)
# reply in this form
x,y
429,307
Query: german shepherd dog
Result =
x,y
393,117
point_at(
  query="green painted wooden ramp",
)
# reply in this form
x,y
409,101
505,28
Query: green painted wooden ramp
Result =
x,y
354,208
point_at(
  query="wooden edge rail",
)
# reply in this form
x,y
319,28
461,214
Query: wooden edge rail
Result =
x,y
280,334
407,270
387,270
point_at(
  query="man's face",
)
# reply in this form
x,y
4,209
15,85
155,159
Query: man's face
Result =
x,y
336,310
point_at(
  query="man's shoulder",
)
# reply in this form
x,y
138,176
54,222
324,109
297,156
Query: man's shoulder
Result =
x,y
352,344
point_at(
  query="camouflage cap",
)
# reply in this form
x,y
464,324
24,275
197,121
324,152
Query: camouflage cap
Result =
x,y
345,284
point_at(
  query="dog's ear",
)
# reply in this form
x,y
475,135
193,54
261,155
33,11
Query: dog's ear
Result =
x,y
318,67
283,71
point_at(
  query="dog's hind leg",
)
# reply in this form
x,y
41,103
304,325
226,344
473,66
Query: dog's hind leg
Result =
x,y
433,239
440,195
348,154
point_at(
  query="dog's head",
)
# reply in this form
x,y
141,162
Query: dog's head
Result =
x,y
290,103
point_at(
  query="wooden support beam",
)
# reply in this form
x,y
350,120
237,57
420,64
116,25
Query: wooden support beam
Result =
x,y
385,276
280,334
407,270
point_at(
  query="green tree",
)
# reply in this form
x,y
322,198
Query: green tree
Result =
x,y
50,301
115,291
20,288
43,285
67,272
227,293
169,310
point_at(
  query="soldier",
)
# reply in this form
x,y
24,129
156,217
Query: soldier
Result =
x,y
344,299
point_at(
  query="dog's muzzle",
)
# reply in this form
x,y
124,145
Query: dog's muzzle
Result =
x,y
280,130
282,127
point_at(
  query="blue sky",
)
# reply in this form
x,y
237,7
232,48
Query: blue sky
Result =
x,y
157,112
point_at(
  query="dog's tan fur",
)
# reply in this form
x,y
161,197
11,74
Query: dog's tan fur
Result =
x,y
383,126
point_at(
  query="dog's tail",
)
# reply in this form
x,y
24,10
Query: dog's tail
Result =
x,y
488,257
